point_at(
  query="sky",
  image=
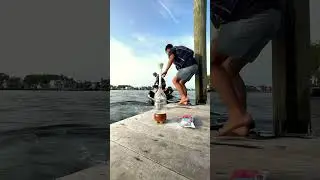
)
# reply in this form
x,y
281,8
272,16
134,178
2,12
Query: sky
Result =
x,y
72,37
139,33
58,36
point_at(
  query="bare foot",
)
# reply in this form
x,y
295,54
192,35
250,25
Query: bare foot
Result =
x,y
237,125
184,101
242,131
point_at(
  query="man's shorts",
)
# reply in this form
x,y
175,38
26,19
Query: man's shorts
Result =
x,y
243,40
185,74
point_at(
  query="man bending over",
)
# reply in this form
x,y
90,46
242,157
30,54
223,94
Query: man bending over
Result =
x,y
183,58
244,29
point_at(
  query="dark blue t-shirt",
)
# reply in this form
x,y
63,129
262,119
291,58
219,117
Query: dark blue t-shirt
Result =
x,y
224,11
184,57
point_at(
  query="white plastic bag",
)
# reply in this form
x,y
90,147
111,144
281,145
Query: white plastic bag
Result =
x,y
187,121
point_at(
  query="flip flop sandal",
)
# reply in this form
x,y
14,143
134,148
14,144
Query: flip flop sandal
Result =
x,y
251,126
251,134
188,104
184,101
230,134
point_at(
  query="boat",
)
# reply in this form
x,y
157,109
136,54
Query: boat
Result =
x,y
168,91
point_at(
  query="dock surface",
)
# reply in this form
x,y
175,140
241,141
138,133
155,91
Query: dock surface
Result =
x,y
284,158
142,149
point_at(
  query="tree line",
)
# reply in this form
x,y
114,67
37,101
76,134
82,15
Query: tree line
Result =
x,y
50,81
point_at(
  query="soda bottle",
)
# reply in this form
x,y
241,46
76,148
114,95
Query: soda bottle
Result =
x,y
160,101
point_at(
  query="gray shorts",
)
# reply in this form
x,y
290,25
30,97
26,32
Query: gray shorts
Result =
x,y
185,74
244,39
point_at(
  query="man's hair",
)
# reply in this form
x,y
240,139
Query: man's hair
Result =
x,y
168,46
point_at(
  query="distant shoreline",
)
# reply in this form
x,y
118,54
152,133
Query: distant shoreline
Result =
x,y
209,91
52,90
103,90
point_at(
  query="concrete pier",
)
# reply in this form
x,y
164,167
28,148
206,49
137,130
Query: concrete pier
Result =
x,y
142,149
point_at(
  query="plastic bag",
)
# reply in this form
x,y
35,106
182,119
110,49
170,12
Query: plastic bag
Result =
x,y
249,174
187,121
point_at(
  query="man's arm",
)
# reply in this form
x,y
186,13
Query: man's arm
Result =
x,y
171,59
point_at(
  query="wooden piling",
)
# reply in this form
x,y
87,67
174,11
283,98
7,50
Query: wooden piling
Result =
x,y
199,12
291,71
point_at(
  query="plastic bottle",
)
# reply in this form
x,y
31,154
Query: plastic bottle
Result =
x,y
160,101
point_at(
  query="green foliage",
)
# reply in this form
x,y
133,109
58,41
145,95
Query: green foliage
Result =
x,y
35,79
3,77
14,82
43,81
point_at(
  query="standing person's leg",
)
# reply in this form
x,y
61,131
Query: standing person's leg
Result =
x,y
185,93
185,75
178,86
233,68
242,41
184,87
223,83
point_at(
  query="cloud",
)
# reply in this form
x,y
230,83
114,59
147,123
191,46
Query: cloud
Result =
x,y
168,11
126,67
129,66
139,37
179,8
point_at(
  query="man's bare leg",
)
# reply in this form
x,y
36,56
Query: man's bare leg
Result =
x,y
178,86
240,90
184,87
185,93
223,82
233,70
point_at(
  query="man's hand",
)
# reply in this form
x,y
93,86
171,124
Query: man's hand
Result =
x,y
164,73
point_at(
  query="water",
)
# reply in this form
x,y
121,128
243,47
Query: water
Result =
x,y
125,104
259,105
45,135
